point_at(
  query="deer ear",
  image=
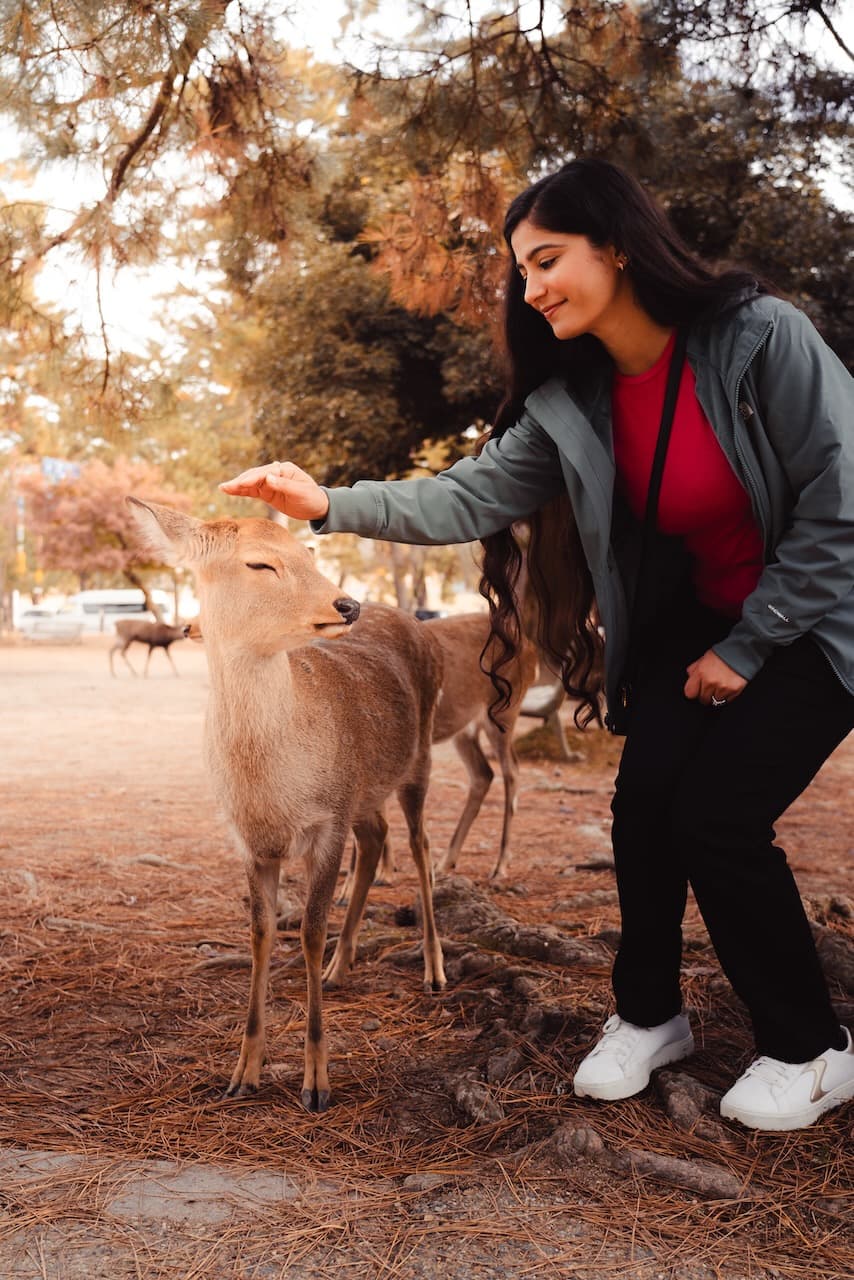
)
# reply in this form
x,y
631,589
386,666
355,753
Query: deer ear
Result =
x,y
163,530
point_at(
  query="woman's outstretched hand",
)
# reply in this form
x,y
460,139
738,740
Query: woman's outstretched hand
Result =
x,y
712,682
281,485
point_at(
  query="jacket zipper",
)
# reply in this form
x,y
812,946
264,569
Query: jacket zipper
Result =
x,y
753,488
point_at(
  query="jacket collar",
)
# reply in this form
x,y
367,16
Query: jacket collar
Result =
x,y
723,345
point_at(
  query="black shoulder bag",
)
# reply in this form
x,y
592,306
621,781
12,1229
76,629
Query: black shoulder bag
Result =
x,y
619,722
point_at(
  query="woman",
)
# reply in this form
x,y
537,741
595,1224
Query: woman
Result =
x,y
729,651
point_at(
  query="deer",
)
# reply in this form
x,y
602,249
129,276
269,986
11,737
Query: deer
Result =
x,y
157,635
462,714
319,709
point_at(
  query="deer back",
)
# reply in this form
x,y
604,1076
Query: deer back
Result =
x,y
153,633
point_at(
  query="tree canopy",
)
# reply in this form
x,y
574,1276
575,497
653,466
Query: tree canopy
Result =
x,y
339,222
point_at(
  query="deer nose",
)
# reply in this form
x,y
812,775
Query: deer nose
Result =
x,y
348,608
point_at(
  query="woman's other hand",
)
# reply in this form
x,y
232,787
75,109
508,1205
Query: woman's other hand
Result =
x,y
712,682
284,486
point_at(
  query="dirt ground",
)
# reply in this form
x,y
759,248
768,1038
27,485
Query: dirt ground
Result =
x,y
454,1147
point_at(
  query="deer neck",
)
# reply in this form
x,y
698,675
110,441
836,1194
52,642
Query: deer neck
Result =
x,y
251,695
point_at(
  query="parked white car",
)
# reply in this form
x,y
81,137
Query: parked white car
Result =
x,y
41,623
101,610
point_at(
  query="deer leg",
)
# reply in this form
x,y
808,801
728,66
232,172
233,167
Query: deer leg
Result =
x,y
411,799
370,840
385,875
323,874
263,884
123,651
148,659
508,760
171,661
349,880
480,778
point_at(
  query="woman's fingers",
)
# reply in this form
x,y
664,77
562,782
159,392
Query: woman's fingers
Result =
x,y
249,483
282,485
712,682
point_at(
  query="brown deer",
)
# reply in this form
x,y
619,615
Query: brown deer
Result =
x,y
311,725
462,714
157,635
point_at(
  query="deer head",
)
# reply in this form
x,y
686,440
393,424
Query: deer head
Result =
x,y
258,586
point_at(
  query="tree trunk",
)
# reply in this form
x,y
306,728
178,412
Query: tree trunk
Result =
x,y
398,570
137,582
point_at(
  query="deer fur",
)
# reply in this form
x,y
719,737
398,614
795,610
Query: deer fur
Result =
x,y
462,714
311,725
157,635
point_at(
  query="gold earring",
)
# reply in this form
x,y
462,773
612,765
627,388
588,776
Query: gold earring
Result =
x,y
622,262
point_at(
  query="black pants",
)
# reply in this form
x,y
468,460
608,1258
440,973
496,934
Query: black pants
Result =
x,y
698,792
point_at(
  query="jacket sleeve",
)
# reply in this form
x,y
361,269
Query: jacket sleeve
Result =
x,y
512,477
806,401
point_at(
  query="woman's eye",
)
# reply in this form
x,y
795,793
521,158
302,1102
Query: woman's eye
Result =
x,y
545,264
260,566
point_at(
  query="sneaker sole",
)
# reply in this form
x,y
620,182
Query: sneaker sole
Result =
x,y
794,1120
614,1090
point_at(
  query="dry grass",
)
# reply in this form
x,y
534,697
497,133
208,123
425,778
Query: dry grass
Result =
x,y
118,1035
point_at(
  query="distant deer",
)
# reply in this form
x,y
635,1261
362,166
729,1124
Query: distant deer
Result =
x,y
310,727
157,635
462,714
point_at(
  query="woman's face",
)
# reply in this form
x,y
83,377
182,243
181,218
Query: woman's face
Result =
x,y
575,286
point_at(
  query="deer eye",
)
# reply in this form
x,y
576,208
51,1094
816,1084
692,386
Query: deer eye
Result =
x,y
260,566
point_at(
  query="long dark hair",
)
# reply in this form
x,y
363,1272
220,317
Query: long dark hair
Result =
x,y
593,198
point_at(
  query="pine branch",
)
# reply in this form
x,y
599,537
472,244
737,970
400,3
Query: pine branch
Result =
x,y
210,13
818,9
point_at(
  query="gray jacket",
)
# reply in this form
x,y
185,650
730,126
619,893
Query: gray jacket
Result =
x,y
780,404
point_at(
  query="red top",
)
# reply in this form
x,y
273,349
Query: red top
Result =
x,y
701,500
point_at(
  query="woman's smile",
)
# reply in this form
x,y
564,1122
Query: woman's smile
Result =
x,y
549,311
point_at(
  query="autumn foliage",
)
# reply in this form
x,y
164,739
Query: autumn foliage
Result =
x,y
83,524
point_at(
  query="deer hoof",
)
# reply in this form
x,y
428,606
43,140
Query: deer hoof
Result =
x,y
315,1100
240,1090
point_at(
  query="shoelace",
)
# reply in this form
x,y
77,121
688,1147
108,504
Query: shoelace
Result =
x,y
774,1073
618,1037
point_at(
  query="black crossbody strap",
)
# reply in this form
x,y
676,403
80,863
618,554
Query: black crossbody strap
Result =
x,y
674,377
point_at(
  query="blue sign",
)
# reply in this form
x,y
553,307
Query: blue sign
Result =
x,y
56,470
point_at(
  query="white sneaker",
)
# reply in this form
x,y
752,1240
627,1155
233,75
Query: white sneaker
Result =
x,y
621,1063
787,1095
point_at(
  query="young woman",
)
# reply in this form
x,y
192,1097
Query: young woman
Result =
x,y
728,651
